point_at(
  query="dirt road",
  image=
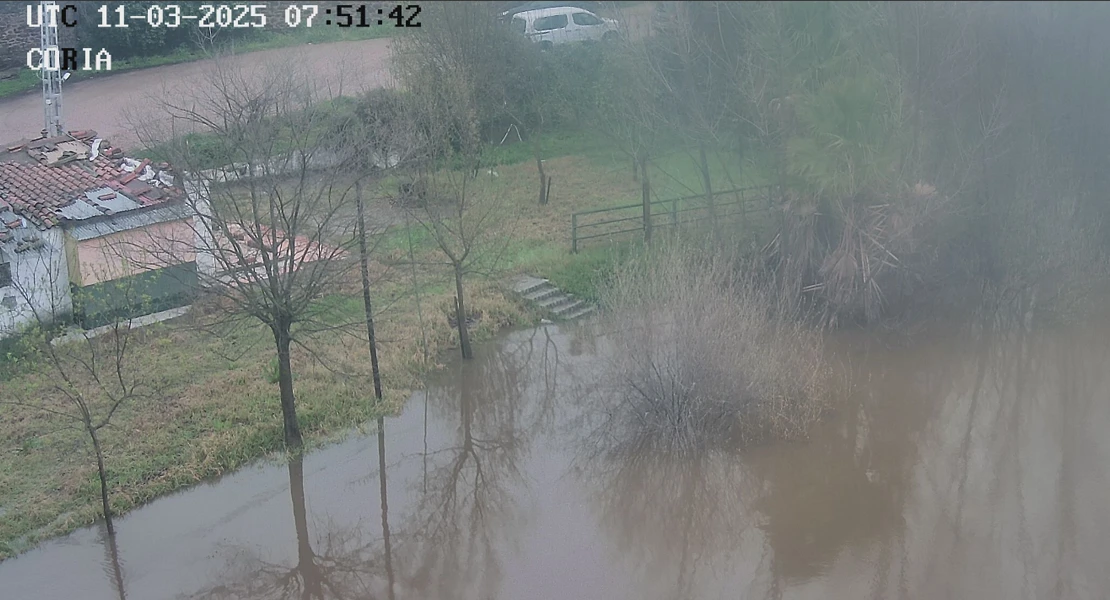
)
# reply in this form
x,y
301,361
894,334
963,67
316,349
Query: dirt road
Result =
x,y
104,102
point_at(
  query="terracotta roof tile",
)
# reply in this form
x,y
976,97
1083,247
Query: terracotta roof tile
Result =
x,y
37,191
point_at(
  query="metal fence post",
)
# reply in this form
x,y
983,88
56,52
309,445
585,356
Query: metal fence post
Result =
x,y
574,233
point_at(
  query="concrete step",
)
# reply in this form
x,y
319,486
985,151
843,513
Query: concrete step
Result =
x,y
546,296
526,284
566,309
556,302
581,312
560,307
542,293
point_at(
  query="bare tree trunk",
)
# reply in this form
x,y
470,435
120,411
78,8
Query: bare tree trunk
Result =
x,y
635,170
460,315
539,167
416,292
283,339
645,192
364,260
385,507
105,506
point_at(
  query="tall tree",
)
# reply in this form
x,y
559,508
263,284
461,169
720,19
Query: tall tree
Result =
x,y
275,226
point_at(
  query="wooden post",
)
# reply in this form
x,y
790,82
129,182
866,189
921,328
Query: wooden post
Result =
x,y
574,233
645,191
743,209
707,184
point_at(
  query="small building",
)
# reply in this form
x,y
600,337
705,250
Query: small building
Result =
x,y
87,234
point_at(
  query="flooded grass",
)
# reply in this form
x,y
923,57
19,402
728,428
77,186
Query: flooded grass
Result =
x,y
220,408
220,411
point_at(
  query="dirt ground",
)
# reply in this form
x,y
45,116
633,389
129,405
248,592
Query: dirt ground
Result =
x,y
104,103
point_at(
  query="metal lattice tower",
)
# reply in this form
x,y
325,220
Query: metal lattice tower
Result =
x,y
51,78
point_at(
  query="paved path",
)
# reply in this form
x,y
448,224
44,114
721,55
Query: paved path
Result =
x,y
103,103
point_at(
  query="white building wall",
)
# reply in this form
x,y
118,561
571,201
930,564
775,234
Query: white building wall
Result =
x,y
40,284
197,196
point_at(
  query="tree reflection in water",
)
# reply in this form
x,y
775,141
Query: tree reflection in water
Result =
x,y
1012,506
467,514
337,564
671,517
112,565
969,465
447,546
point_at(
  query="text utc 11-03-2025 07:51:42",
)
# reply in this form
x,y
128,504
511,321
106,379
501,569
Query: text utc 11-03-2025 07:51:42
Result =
x,y
254,15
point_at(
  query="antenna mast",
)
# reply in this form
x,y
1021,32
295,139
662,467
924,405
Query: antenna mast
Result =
x,y
51,78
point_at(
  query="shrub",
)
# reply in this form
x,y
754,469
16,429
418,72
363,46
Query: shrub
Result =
x,y
704,354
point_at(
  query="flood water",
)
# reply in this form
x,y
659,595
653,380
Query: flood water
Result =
x,y
965,466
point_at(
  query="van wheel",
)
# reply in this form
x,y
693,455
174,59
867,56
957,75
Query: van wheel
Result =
x,y
610,36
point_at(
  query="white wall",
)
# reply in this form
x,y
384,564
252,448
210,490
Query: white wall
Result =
x,y
43,277
197,197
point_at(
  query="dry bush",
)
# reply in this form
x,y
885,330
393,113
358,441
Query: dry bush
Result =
x,y
703,353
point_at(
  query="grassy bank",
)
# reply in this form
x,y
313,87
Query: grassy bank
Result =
x,y
218,403
26,80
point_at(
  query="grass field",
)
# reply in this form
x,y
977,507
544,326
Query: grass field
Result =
x,y
218,409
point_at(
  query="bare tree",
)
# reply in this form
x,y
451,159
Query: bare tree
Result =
x,y
514,84
274,227
468,229
466,218
689,69
94,371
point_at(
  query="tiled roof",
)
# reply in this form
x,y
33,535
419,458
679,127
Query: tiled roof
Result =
x,y
44,180
36,191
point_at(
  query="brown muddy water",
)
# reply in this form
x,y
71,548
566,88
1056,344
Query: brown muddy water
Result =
x,y
968,466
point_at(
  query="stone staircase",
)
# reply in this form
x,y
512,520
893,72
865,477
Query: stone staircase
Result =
x,y
541,293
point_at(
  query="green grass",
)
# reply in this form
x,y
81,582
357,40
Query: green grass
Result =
x,y
24,81
27,80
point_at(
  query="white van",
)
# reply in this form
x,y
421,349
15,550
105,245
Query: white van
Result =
x,y
563,25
